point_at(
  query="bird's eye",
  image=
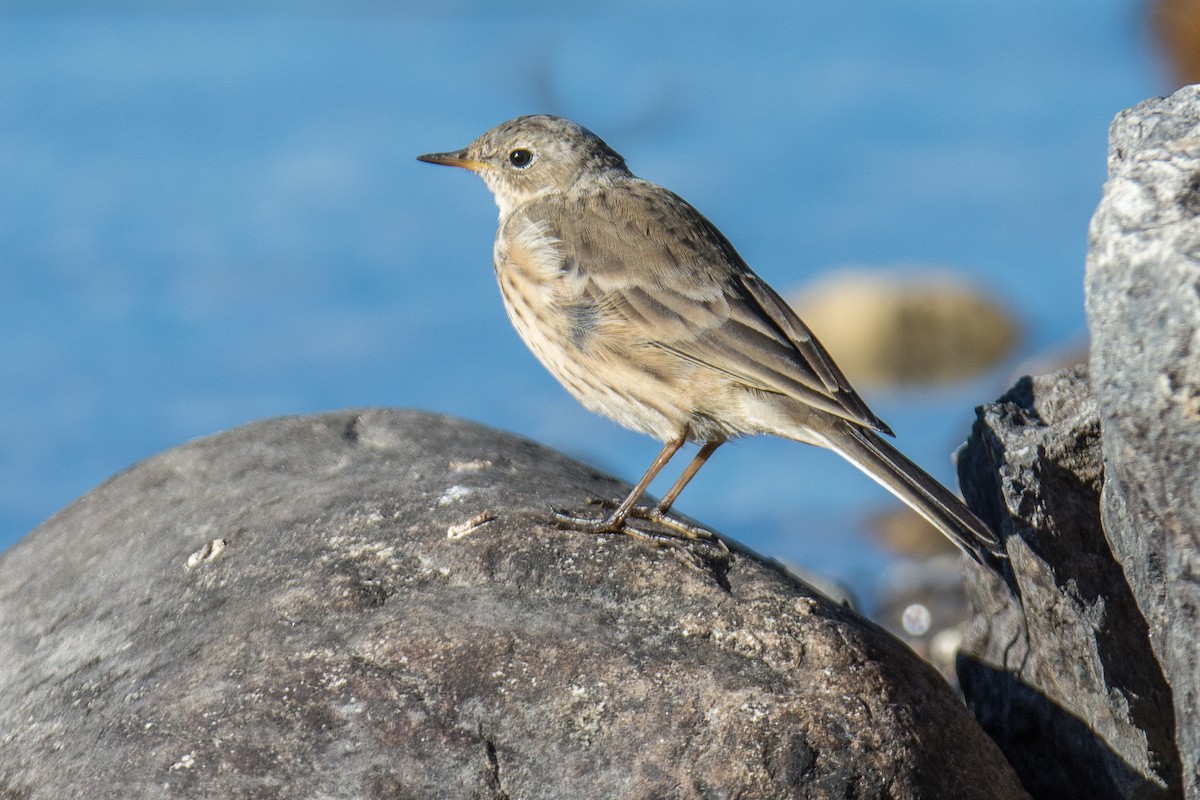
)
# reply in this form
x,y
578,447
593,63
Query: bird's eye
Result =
x,y
520,158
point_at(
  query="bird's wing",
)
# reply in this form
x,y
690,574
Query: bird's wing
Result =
x,y
648,257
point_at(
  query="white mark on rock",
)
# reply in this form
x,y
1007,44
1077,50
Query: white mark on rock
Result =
x,y
186,762
453,495
474,465
206,553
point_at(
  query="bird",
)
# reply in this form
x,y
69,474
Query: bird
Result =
x,y
644,311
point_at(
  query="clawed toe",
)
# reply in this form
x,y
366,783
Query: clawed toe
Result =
x,y
663,529
681,527
586,524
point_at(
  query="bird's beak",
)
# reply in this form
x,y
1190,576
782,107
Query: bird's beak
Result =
x,y
457,158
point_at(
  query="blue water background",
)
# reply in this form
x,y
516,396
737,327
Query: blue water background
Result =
x,y
213,215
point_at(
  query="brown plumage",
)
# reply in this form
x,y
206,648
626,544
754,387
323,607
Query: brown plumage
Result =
x,y
644,311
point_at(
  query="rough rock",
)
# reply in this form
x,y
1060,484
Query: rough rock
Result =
x,y
1083,659
1143,302
1056,661
373,604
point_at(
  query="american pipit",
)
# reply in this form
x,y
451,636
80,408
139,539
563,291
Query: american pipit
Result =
x,y
643,310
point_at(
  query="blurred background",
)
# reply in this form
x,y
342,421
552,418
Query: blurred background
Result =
x,y
210,213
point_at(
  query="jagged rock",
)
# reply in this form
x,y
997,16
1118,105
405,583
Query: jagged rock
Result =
x,y
1084,660
373,604
1056,662
1143,301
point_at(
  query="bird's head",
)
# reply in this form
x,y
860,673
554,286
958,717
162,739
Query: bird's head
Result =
x,y
533,155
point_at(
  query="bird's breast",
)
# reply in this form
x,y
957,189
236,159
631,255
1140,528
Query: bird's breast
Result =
x,y
609,361
543,291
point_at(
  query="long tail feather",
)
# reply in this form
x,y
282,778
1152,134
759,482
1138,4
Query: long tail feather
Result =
x,y
889,467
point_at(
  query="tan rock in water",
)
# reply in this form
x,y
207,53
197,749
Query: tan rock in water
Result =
x,y
897,330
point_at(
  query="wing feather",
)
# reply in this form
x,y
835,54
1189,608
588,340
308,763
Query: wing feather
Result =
x,y
658,265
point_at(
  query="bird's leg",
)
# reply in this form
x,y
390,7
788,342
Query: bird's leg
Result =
x,y
707,450
661,512
615,522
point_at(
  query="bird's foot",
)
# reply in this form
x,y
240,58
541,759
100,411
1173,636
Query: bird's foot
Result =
x,y
664,529
681,527
699,547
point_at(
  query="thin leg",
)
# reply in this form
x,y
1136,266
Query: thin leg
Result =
x,y
616,521
707,450
660,512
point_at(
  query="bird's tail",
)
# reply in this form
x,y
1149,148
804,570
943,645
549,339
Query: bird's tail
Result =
x,y
869,452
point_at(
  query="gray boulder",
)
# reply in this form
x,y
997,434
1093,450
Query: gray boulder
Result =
x,y
373,604
1083,657
1056,661
1143,302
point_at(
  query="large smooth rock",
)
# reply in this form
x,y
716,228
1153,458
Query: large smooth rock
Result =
x,y
1056,661
373,604
1143,302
